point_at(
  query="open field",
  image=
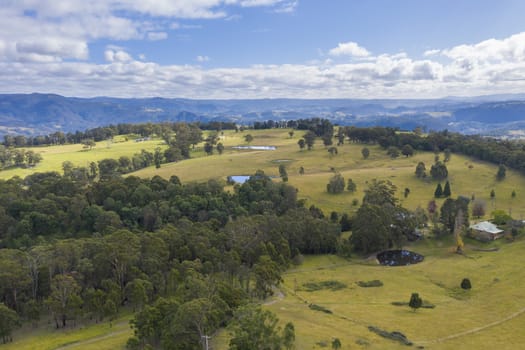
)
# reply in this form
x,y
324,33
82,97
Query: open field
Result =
x,y
54,156
319,167
489,316
99,336
317,163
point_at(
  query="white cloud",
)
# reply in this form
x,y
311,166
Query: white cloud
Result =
x,y
431,52
48,51
112,55
349,49
155,36
51,30
507,50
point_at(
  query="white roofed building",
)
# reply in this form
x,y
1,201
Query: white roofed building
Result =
x,y
486,231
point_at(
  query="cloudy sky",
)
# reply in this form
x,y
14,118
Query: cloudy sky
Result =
x,y
262,48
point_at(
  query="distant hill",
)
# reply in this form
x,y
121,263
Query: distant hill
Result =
x,y
35,114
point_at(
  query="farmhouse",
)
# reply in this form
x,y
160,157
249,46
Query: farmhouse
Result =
x,y
486,231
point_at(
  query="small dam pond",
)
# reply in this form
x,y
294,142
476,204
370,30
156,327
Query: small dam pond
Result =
x,y
399,257
256,148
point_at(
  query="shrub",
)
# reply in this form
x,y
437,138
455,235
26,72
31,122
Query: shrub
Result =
x,y
465,284
415,301
319,308
336,184
332,285
372,283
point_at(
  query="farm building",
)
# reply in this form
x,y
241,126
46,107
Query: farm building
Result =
x,y
486,231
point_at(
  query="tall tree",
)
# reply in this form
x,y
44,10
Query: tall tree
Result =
x,y
301,143
421,170
283,173
380,192
309,139
351,186
446,190
365,152
9,321
64,300
370,229
502,172
439,191
393,152
336,184
267,274
255,329
220,148
415,301
439,171
407,150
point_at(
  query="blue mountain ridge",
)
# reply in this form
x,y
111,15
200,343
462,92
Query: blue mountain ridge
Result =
x,y
37,114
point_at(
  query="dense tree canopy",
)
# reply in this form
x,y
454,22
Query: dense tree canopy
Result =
x,y
87,249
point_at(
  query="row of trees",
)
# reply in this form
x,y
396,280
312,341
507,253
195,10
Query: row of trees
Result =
x,y
108,132
505,152
10,157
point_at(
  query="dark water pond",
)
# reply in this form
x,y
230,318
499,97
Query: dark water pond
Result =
x,y
399,257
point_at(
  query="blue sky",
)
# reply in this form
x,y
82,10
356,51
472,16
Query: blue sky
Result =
x,y
262,48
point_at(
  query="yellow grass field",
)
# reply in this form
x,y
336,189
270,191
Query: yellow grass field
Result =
x,y
101,336
319,167
477,180
489,316
54,156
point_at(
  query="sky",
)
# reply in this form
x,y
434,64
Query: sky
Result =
x,y
232,49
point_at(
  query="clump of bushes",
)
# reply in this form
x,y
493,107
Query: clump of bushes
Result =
x,y
372,283
395,335
331,285
316,307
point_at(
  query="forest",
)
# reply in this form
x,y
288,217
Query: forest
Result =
x,y
74,251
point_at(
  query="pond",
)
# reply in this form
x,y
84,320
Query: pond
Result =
x,y
257,148
238,179
399,257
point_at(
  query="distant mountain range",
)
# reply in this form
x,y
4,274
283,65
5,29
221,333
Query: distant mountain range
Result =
x,y
37,114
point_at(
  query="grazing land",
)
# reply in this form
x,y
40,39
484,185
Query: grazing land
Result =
x,y
101,336
491,313
468,176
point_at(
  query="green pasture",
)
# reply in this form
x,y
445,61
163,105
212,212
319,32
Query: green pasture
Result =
x,y
486,317
54,156
319,167
101,336
468,177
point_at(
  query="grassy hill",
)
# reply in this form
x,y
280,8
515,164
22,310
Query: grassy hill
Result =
x,y
319,167
478,179
54,156
490,314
